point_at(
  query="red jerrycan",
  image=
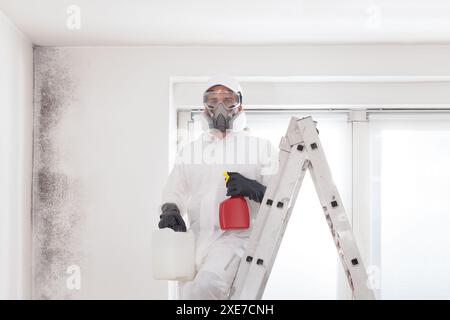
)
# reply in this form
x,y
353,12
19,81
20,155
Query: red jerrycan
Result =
x,y
233,212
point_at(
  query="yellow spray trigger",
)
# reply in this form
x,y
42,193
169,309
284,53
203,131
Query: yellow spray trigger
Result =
x,y
225,174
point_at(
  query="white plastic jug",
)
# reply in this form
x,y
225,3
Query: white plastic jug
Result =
x,y
173,255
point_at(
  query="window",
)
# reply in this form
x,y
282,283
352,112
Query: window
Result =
x,y
405,216
410,180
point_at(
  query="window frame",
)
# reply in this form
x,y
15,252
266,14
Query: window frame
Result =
x,y
360,215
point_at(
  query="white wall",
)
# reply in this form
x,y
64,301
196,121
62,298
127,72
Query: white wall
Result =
x,y
16,92
110,143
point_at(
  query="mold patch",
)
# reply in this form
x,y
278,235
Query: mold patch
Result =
x,y
56,213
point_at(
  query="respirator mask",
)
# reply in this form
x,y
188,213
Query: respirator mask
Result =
x,y
223,109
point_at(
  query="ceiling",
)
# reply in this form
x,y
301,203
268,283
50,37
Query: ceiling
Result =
x,y
230,22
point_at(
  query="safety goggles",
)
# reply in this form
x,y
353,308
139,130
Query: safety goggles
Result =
x,y
213,99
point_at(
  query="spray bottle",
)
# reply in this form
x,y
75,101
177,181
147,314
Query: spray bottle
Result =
x,y
233,212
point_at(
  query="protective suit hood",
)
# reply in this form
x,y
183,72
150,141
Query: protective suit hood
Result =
x,y
224,80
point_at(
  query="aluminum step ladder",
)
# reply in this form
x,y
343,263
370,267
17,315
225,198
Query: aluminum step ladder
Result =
x,y
300,150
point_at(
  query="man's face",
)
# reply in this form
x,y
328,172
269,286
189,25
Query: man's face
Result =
x,y
220,95
221,105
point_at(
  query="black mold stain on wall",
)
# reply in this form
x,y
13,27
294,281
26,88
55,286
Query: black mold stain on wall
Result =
x,y
56,213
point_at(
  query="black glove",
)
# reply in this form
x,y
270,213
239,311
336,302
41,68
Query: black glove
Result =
x,y
238,185
171,218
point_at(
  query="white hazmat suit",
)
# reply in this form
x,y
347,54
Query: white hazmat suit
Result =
x,y
197,186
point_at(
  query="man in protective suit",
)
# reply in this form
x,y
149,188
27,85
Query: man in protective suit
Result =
x,y
196,187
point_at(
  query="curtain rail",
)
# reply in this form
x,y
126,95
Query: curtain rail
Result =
x,y
338,110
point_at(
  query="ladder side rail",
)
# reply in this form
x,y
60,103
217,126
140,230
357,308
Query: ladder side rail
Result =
x,y
258,227
280,208
280,236
335,214
260,221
